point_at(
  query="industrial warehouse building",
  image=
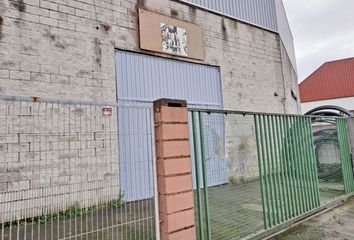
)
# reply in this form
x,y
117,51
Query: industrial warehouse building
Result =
x,y
235,55
230,54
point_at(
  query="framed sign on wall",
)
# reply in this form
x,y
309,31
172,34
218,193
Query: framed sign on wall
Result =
x,y
163,34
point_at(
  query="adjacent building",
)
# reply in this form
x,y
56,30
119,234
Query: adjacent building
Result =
x,y
330,84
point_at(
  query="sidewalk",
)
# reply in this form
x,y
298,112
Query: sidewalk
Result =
x,y
335,224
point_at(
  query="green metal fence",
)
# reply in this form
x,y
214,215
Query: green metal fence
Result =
x,y
288,172
200,216
225,160
346,161
255,172
328,158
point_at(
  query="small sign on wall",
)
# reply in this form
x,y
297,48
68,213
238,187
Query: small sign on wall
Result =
x,y
107,111
160,33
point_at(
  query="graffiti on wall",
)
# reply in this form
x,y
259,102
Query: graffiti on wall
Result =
x,y
174,40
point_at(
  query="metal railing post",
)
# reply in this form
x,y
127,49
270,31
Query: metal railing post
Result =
x,y
156,192
197,173
205,178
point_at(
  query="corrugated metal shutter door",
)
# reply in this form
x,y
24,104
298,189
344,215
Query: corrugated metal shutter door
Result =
x,y
143,79
146,78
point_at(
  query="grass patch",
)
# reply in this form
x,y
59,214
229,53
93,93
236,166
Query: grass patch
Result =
x,y
114,220
72,211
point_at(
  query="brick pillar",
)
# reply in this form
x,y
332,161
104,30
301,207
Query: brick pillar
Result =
x,y
174,170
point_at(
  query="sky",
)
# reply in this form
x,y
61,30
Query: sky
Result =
x,y
323,30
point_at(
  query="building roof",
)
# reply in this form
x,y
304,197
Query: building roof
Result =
x,y
332,80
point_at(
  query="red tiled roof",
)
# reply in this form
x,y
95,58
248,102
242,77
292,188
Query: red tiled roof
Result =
x,y
332,80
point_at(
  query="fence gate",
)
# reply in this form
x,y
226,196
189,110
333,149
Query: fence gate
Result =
x,y
231,208
287,167
346,158
278,169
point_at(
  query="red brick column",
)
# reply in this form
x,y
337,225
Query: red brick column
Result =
x,y
174,170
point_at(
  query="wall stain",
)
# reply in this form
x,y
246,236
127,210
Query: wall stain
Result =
x,y
141,3
49,35
192,10
60,45
78,111
224,30
27,49
18,22
253,33
193,13
7,64
98,52
19,5
1,23
84,73
4,5
174,13
105,27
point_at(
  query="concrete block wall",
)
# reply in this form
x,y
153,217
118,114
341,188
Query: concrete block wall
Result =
x,y
241,148
290,84
59,49
66,49
54,156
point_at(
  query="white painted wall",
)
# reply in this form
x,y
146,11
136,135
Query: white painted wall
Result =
x,y
347,103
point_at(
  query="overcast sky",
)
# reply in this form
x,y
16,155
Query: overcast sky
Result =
x,y
323,30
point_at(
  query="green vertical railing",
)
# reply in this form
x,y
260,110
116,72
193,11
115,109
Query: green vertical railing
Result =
x,y
346,161
205,177
261,166
197,180
288,183
200,168
287,167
